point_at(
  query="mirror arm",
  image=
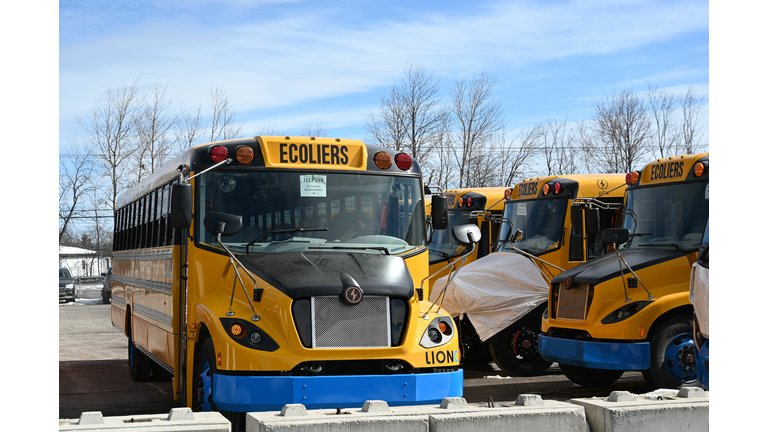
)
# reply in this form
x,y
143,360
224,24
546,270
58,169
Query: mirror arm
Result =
x,y
235,264
453,273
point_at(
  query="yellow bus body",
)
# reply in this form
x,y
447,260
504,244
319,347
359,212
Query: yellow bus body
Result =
x,y
164,317
600,322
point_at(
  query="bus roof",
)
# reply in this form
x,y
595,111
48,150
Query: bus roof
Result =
x,y
673,170
493,197
572,186
283,152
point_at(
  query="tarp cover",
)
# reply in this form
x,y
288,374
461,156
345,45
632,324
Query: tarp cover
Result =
x,y
494,291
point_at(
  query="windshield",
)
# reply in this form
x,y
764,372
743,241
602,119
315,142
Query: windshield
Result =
x,y
443,245
295,211
671,216
541,222
64,274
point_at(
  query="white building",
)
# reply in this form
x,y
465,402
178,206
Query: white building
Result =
x,y
82,262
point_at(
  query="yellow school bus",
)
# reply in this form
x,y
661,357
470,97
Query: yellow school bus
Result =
x,y
272,270
478,206
556,221
629,309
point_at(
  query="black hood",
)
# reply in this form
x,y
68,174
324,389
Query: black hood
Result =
x,y
305,274
607,266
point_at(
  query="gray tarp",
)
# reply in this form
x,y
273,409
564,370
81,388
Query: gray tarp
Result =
x,y
494,291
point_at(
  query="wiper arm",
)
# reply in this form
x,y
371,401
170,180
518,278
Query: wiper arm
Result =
x,y
378,248
283,231
661,244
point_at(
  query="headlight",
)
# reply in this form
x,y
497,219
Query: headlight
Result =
x,y
439,332
70,286
625,312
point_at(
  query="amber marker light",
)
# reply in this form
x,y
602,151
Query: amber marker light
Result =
x,y
698,169
244,155
443,327
236,330
461,202
382,160
218,359
545,189
632,177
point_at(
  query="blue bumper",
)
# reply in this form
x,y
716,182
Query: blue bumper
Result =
x,y
270,393
596,355
702,365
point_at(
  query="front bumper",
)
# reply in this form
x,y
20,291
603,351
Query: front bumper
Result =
x,y
66,293
596,355
271,393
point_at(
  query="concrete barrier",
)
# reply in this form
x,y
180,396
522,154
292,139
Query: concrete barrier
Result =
x,y
688,410
529,412
179,419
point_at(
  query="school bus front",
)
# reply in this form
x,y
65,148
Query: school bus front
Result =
x,y
334,237
603,318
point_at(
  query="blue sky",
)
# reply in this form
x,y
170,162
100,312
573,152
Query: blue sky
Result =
x,y
295,63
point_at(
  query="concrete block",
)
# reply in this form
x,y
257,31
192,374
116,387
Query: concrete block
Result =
x,y
529,413
178,420
688,411
453,414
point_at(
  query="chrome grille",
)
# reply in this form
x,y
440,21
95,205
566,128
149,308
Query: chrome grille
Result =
x,y
336,324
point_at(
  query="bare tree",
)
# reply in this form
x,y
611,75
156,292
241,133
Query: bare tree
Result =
x,y
557,147
692,134
111,128
189,127
411,118
665,132
478,117
319,129
268,129
513,159
223,115
76,180
439,166
154,124
621,130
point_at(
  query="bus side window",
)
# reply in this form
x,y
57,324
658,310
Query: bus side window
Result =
x,y
576,246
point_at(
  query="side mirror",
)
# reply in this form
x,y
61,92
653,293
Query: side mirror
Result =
x,y
181,205
615,235
439,212
592,219
466,234
222,223
517,236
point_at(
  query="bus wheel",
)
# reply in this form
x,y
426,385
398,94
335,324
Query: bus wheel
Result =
x,y
205,367
139,365
672,354
516,350
587,377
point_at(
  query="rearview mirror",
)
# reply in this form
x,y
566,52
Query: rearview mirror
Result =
x,y
439,212
181,205
616,235
222,223
466,234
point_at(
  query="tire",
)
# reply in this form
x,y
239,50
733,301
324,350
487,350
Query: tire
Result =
x,y
139,365
202,398
587,377
205,367
516,350
672,354
474,352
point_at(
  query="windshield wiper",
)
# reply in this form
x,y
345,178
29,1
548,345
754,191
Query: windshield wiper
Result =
x,y
378,248
660,244
283,231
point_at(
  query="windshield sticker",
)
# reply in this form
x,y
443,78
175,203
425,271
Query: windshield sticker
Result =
x,y
312,185
521,209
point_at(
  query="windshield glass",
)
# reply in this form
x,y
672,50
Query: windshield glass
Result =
x,y
670,216
64,274
541,222
295,211
443,245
